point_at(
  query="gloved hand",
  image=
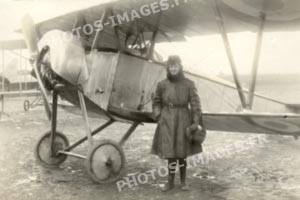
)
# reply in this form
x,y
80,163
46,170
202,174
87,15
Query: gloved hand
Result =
x,y
156,113
195,127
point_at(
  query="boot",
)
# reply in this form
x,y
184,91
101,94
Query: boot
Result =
x,y
182,166
171,170
170,185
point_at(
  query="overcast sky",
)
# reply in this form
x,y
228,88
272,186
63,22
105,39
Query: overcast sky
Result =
x,y
280,52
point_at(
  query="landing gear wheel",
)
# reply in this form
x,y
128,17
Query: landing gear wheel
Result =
x,y
105,161
26,105
42,150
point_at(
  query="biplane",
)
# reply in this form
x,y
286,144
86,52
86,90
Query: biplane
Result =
x,y
15,77
103,61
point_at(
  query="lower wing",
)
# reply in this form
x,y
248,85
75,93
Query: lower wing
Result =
x,y
269,123
20,93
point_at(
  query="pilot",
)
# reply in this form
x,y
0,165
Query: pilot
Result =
x,y
177,110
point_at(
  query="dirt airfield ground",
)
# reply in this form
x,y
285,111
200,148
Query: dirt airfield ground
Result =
x,y
267,170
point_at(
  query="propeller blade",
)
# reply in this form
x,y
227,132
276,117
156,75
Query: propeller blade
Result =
x,y
30,35
31,39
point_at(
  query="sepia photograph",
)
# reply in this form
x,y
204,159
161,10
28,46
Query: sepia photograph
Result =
x,y
149,99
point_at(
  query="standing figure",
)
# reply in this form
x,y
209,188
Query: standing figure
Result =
x,y
176,107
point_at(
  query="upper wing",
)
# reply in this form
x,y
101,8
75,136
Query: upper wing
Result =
x,y
176,18
283,124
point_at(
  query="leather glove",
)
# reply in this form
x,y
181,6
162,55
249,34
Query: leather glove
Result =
x,y
195,127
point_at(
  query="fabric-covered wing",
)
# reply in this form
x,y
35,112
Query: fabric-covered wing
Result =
x,y
282,124
21,93
12,44
178,18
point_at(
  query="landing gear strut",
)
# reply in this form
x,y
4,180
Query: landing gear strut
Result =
x,y
105,160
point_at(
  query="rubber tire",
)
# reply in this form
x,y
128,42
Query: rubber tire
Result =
x,y
55,162
26,105
91,152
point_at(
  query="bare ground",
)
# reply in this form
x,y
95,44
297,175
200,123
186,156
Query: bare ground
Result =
x,y
269,170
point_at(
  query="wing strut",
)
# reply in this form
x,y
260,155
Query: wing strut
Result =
x,y
3,89
103,17
256,60
3,68
116,31
223,32
154,34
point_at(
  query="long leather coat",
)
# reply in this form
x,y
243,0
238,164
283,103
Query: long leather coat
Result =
x,y
176,105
